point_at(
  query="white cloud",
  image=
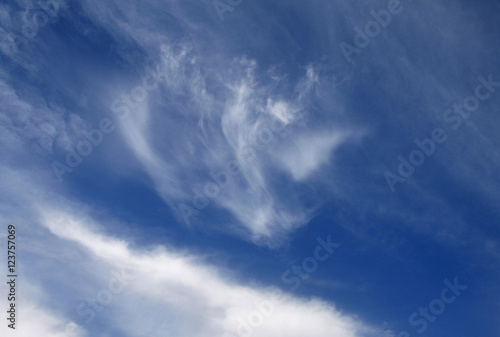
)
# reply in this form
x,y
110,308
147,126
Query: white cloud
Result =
x,y
237,125
34,320
190,297
22,122
309,152
33,316
188,129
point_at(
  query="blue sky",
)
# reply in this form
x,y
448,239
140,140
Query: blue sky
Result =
x,y
251,168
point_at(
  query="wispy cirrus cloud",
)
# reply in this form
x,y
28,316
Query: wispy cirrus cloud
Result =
x,y
165,290
234,124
